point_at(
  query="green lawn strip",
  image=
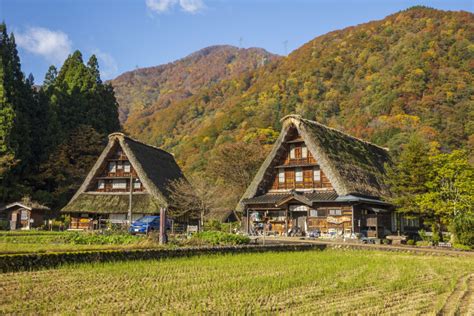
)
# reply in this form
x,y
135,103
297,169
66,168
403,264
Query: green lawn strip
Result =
x,y
11,249
331,281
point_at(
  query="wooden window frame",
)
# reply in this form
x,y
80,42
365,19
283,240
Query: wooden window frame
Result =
x,y
299,171
114,169
137,182
292,151
116,181
101,185
125,165
304,152
281,176
316,171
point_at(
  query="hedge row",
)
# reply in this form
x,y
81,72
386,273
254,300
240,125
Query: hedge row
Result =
x,y
27,262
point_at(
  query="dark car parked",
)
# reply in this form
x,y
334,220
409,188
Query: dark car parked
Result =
x,y
146,224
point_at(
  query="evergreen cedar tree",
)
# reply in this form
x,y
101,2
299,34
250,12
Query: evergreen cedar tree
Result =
x,y
50,136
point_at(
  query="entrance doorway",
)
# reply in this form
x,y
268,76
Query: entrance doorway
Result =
x,y
299,216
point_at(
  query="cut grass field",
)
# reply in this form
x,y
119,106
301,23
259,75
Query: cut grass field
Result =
x,y
331,281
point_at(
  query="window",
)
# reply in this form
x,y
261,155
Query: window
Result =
x,y
317,175
304,152
410,222
118,218
281,176
112,166
119,165
24,215
101,184
119,184
292,152
126,166
137,184
335,212
313,213
299,175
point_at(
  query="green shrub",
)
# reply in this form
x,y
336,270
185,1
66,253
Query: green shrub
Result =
x,y
213,225
100,238
436,238
4,225
461,247
463,229
410,242
386,242
423,235
423,243
221,238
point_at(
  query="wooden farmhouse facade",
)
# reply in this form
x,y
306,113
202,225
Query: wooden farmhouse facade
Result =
x,y
128,175
25,214
320,180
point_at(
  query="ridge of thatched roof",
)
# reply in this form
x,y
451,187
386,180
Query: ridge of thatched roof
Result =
x,y
155,167
352,165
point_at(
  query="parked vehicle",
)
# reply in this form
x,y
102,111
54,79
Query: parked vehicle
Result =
x,y
146,224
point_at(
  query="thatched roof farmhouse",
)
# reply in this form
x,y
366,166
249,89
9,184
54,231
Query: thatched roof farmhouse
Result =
x,y
128,172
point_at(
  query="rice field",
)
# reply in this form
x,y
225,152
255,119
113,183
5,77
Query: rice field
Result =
x,y
318,282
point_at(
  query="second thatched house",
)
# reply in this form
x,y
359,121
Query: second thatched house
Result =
x,y
129,176
320,180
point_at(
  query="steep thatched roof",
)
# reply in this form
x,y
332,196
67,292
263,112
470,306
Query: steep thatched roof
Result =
x,y
155,167
352,165
108,203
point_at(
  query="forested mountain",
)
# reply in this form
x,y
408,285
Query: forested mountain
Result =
x,y
411,72
147,90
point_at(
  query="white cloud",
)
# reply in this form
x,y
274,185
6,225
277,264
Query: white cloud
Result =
x,y
107,65
162,6
191,6
55,46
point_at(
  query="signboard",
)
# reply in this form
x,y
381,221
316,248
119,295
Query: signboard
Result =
x,y
299,208
338,220
192,228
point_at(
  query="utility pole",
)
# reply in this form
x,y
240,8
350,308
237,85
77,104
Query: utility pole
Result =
x,y
163,239
130,201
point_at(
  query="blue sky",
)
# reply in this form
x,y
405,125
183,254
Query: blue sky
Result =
x,y
126,34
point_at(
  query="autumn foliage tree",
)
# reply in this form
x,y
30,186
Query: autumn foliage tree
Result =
x,y
449,196
192,198
437,186
233,167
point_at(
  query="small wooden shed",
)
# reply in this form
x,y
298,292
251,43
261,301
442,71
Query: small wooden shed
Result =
x,y
24,214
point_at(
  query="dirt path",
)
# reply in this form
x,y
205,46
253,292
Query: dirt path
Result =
x,y
336,244
467,300
461,300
